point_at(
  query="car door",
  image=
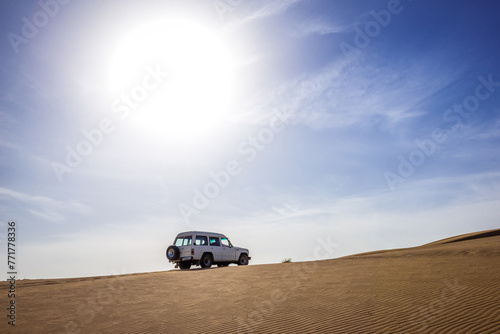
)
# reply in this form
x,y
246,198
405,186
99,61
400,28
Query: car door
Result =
x,y
228,251
215,248
200,246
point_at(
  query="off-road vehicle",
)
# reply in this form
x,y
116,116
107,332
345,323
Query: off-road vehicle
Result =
x,y
205,249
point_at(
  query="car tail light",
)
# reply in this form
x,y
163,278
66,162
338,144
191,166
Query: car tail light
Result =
x,y
192,251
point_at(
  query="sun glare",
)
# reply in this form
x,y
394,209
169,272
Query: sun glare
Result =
x,y
191,95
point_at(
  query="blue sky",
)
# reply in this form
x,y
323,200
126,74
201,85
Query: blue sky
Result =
x,y
282,124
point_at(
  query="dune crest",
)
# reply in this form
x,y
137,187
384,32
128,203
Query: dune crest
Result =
x,y
468,236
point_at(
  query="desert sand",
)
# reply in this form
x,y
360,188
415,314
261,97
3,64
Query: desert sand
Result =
x,y
448,286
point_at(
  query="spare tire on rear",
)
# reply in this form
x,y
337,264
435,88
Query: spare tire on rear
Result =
x,y
172,253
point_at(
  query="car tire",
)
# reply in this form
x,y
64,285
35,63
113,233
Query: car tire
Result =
x,y
206,261
184,265
243,260
172,253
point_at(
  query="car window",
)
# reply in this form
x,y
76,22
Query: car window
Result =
x,y
178,241
183,241
224,242
214,241
201,240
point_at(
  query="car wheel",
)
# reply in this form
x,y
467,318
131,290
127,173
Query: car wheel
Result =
x,y
172,253
243,260
184,265
206,261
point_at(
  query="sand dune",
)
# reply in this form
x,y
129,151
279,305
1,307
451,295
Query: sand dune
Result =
x,y
449,286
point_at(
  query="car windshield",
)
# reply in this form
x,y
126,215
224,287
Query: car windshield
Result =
x,y
183,241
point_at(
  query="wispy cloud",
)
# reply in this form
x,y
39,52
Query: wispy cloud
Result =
x,y
274,8
424,196
487,131
10,145
345,94
318,27
45,207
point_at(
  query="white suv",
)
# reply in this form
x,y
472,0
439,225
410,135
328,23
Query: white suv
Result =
x,y
205,249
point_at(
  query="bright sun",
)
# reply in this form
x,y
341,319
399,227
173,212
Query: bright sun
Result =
x,y
191,98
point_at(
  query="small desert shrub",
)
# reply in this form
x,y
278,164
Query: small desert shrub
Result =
x,y
286,261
